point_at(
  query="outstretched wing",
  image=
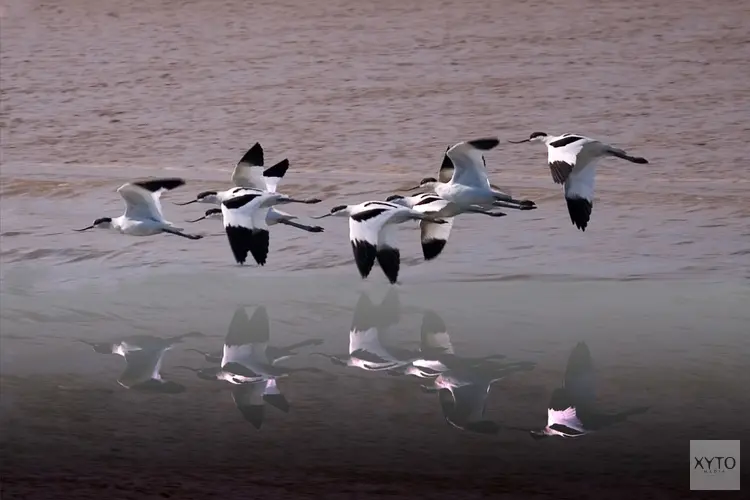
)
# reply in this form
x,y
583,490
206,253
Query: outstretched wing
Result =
x,y
434,338
142,198
468,161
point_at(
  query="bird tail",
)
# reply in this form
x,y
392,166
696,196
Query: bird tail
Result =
x,y
619,153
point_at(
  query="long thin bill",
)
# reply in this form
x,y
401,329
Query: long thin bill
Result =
x,y
184,203
84,229
520,142
321,217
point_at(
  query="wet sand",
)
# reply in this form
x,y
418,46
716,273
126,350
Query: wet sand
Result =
x,y
363,97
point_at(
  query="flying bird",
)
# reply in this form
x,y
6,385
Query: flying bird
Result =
x,y
372,231
572,161
143,214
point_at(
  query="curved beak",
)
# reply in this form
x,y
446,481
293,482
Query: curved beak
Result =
x,y
184,203
194,220
85,228
520,142
321,217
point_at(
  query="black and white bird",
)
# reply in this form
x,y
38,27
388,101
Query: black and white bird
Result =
x,y
245,222
372,231
143,214
249,173
463,394
436,352
144,355
273,217
572,160
245,356
469,185
435,236
366,349
572,409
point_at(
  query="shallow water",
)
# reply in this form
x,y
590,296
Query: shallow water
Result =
x,y
363,97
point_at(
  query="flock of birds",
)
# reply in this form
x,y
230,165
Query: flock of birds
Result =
x,y
253,367
462,186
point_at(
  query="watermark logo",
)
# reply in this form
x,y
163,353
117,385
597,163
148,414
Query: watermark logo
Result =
x,y
714,465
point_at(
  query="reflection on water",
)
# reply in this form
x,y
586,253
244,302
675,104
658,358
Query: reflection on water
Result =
x,y
144,355
572,408
249,363
457,340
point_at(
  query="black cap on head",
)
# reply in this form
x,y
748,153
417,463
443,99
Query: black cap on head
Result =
x,y
427,179
338,208
102,220
394,197
212,211
537,134
205,193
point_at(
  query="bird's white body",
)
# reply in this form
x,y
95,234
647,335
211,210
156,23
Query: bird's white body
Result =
x,y
366,352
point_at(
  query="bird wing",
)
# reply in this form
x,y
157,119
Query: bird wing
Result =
x,y
273,175
142,366
247,338
274,397
142,198
464,404
562,415
249,170
468,161
249,401
579,382
365,223
434,337
570,152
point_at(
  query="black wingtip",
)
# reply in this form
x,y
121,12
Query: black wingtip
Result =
x,y
364,256
447,163
580,212
259,246
154,185
254,156
278,170
240,241
278,401
485,144
432,248
253,414
390,262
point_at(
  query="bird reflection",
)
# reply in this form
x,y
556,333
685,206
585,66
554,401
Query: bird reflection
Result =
x,y
144,355
572,409
250,365
463,393
366,349
436,352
